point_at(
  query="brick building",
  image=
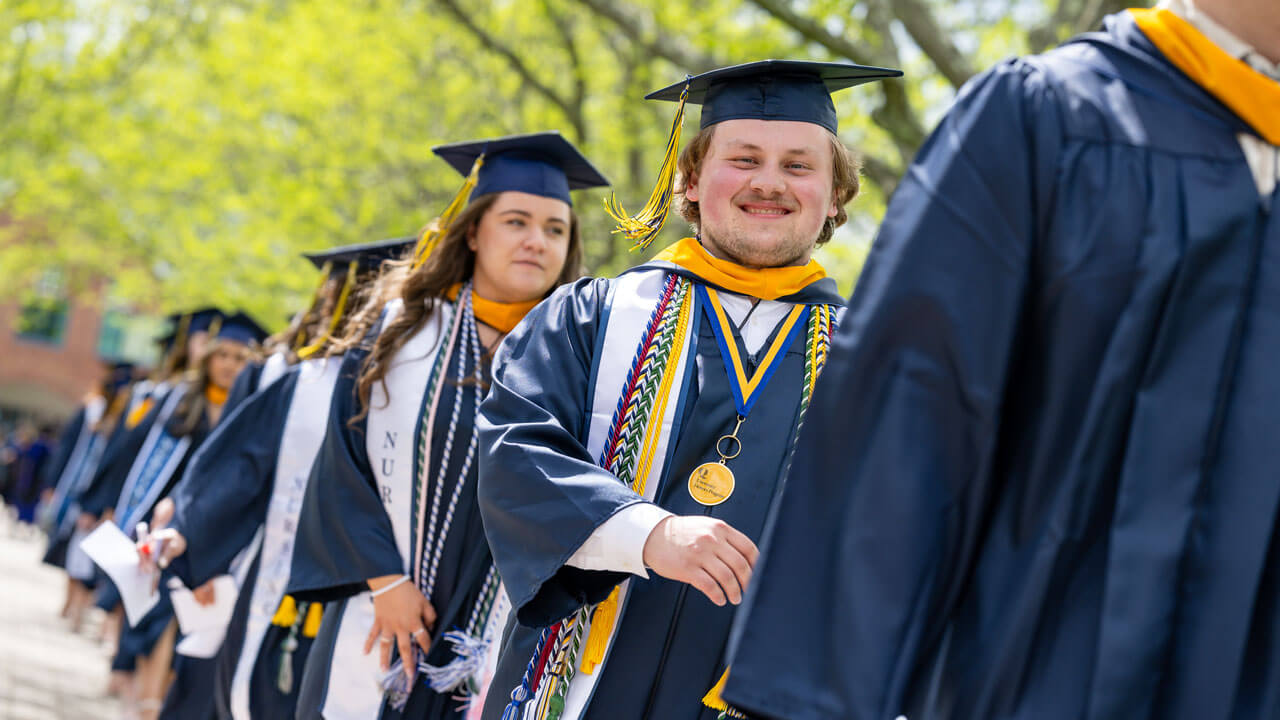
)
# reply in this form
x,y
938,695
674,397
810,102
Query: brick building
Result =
x,y
52,350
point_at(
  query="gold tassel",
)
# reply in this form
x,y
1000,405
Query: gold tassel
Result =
x,y
215,327
601,630
712,699
438,227
287,615
338,310
643,227
301,339
315,611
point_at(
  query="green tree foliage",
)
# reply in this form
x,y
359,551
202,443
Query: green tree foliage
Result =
x,y
188,150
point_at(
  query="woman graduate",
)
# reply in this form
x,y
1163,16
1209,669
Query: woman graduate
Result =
x,y
172,431
244,488
69,470
391,507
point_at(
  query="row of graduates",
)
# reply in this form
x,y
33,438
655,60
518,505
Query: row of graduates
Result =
x,y
557,523
400,553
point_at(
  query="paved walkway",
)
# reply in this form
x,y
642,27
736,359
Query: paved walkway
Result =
x,y
46,671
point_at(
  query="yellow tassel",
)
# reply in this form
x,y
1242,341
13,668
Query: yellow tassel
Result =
x,y
315,611
438,227
215,327
601,630
643,227
287,615
301,340
184,329
712,699
338,310
138,414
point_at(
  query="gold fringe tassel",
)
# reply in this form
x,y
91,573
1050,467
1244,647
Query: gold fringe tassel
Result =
x,y
645,225
438,227
301,339
352,269
315,611
601,630
287,614
712,699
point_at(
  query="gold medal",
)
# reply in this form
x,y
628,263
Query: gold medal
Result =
x,y
711,483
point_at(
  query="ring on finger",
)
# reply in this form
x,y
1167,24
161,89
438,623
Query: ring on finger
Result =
x,y
385,639
417,632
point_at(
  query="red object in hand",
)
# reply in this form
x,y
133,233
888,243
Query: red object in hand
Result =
x,y
145,550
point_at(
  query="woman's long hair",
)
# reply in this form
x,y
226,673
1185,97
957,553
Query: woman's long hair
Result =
x,y
194,405
308,325
452,262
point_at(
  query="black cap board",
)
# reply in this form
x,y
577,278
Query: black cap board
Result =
x,y
369,255
798,90
544,164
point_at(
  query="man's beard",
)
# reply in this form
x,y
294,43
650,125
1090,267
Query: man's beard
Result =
x,y
791,249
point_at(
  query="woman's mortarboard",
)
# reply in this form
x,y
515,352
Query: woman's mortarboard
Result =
x,y
351,260
543,164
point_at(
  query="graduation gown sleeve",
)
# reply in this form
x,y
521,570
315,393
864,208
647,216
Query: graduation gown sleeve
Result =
x,y
878,526
104,489
344,534
246,384
541,494
223,497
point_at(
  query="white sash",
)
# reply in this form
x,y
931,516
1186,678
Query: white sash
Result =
x,y
71,472
273,368
304,431
393,421
633,298
354,690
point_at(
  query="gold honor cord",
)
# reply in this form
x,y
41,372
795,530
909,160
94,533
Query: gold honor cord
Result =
x,y
438,227
301,340
352,269
642,228
711,483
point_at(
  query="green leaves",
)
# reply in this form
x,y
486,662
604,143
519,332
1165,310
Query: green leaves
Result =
x,y
188,150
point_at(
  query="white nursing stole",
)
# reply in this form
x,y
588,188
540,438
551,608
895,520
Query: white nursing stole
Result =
x,y
300,440
392,426
634,296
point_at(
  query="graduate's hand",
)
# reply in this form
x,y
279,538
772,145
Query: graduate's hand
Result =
x,y
86,521
401,616
204,594
704,552
162,515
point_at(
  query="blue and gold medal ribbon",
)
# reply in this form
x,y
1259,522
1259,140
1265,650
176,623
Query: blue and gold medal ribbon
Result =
x,y
747,390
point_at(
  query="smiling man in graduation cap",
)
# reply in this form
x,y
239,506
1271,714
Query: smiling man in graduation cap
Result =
x,y
1038,479
638,427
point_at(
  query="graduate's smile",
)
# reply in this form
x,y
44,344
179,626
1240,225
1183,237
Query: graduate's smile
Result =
x,y
764,210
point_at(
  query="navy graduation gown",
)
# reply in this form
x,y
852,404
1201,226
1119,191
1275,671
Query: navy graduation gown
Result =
x,y
1038,477
219,505
542,495
346,537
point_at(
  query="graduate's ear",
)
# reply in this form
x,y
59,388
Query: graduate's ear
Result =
x,y
472,242
691,188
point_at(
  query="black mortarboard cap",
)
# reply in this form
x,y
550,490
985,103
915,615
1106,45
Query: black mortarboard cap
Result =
x,y
241,328
544,164
370,255
797,90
